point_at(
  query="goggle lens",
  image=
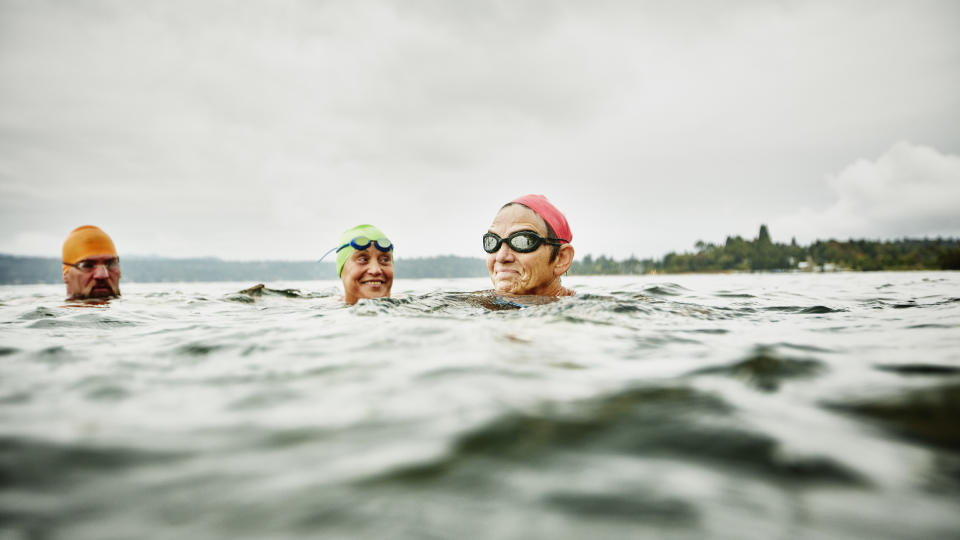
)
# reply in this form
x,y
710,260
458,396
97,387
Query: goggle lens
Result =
x,y
490,243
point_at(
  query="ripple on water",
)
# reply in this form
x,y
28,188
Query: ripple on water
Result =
x,y
632,506
766,369
928,415
198,348
102,388
54,355
805,310
725,294
631,422
262,399
666,289
39,465
920,369
39,312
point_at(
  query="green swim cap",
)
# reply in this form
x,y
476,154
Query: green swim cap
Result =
x,y
368,231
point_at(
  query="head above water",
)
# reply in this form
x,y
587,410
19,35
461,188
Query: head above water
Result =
x,y
365,263
91,267
528,248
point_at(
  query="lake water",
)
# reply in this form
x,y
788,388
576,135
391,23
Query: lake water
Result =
x,y
696,406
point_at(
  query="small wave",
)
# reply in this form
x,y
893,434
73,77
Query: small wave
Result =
x,y
931,325
821,309
678,422
767,370
264,399
97,321
32,464
723,294
634,506
54,355
805,310
6,351
16,398
260,290
628,308
38,313
920,369
198,349
927,415
666,289
803,347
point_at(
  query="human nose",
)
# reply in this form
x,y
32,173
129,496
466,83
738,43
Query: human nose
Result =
x,y
100,271
374,268
505,254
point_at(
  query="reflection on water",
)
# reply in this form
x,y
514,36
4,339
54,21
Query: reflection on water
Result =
x,y
719,406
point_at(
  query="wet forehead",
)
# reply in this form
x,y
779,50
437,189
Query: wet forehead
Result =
x,y
517,218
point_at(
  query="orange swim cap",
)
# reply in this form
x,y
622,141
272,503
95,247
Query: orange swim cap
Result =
x,y
86,241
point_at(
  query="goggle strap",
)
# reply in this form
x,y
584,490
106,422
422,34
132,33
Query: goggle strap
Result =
x,y
331,250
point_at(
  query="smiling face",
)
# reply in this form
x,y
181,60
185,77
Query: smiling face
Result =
x,y
525,273
97,283
367,274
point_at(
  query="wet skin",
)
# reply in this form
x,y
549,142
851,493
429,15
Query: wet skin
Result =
x,y
367,274
97,283
526,273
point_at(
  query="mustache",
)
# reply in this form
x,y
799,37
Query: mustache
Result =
x,y
97,283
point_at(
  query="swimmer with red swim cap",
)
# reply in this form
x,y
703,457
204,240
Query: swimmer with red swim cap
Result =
x,y
528,248
91,267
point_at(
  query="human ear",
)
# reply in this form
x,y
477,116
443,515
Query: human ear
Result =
x,y
564,260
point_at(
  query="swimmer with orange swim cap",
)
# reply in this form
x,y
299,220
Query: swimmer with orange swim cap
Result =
x,y
91,267
528,248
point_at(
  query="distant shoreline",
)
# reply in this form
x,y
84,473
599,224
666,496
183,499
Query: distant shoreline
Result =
x,y
735,256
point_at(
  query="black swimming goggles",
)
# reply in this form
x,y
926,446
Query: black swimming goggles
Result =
x,y
361,243
520,241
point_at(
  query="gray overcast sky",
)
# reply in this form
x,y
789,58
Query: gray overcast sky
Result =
x,y
261,130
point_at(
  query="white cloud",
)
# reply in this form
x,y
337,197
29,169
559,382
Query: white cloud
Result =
x,y
910,190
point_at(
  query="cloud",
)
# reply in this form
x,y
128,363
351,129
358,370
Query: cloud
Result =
x,y
910,190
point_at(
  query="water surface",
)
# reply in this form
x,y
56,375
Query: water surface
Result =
x,y
700,406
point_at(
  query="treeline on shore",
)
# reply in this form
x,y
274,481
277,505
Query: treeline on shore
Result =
x,y
763,254
735,255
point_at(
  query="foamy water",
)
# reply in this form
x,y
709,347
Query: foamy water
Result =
x,y
717,406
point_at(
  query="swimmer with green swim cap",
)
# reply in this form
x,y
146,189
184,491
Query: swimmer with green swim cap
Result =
x,y
365,263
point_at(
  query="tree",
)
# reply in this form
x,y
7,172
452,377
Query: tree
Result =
x,y
764,236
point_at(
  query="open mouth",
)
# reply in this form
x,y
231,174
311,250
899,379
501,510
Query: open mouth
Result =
x,y
373,283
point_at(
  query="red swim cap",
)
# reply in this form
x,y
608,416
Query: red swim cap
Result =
x,y
543,208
